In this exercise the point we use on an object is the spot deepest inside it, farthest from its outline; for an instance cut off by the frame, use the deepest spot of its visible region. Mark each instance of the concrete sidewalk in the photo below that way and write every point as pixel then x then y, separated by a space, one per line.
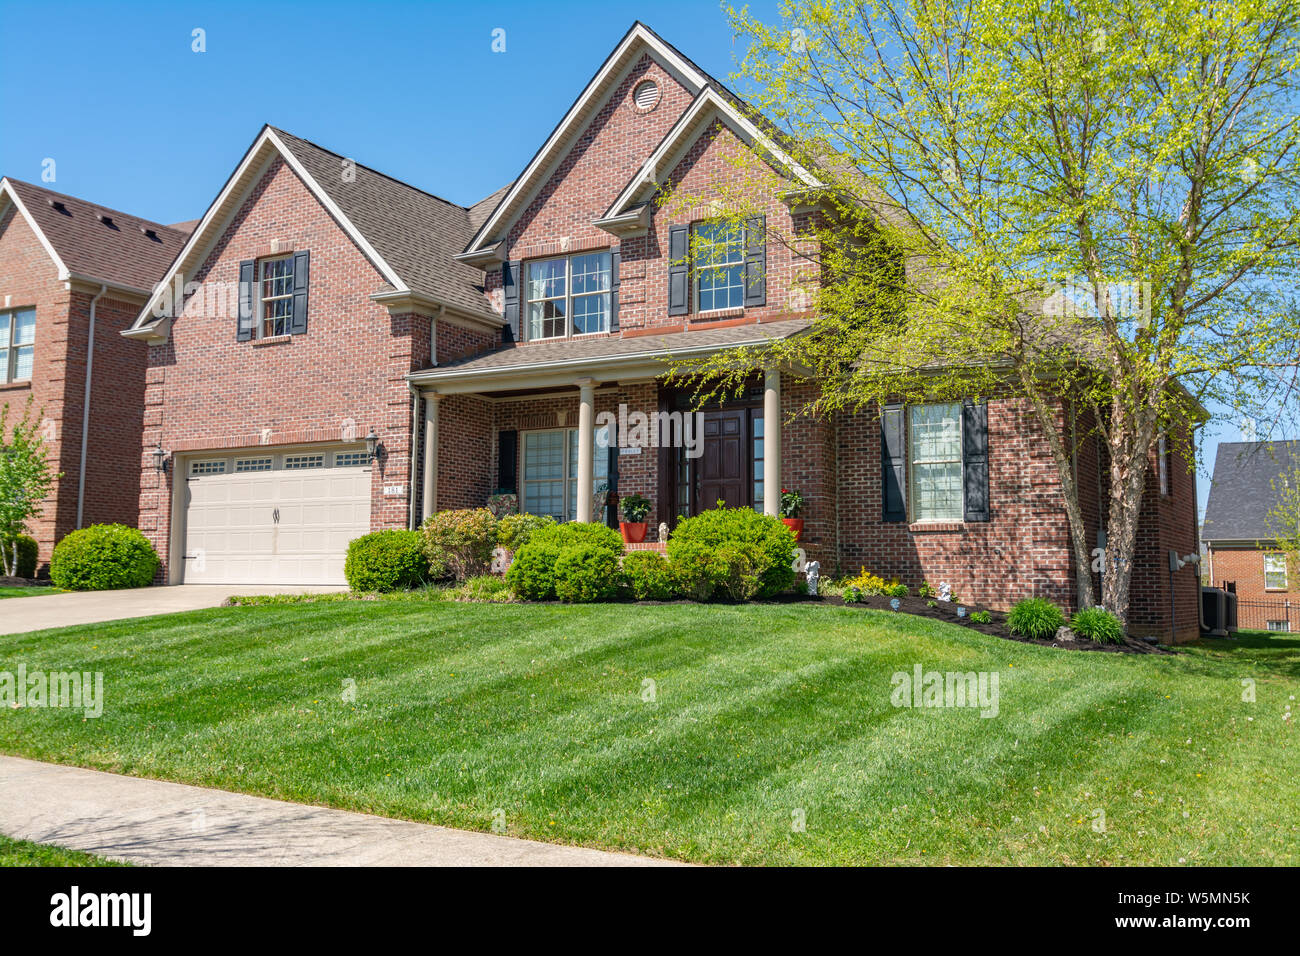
pixel 173 824
pixel 23 614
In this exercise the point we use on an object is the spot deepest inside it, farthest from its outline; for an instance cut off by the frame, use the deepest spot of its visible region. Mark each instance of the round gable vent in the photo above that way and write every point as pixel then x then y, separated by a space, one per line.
pixel 646 95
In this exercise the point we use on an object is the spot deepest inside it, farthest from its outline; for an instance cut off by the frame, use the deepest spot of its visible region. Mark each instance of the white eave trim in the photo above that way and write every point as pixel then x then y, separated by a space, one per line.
pixel 638 34
pixel 7 189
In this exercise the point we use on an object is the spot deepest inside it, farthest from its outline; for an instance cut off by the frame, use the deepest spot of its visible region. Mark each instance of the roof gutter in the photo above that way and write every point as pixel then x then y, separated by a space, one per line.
pixel 85 408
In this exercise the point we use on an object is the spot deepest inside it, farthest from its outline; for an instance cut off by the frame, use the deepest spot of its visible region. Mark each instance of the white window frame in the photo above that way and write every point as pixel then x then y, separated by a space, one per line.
pixel 257 463
pixel 11 346
pixel 1162 464
pixel 913 498
pixel 568 298
pixel 568 482
pixel 705 262
pixel 207 466
pixel 1275 558
pixel 304 461
pixel 1278 627
pixel 265 301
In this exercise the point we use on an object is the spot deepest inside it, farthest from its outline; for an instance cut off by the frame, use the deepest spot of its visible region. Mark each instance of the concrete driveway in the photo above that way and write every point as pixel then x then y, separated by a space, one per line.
pixel 19 615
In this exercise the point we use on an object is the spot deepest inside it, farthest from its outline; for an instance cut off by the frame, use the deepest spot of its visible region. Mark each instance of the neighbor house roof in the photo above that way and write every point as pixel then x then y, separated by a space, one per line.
pixel 93 243
pixel 1246 486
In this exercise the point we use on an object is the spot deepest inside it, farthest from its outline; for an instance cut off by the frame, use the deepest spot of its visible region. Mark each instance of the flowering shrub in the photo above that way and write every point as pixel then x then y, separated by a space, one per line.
pixel 791 503
pixel 459 544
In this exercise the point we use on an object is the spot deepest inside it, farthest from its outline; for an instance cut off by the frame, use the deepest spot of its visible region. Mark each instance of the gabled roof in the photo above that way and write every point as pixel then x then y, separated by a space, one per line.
pixel 409 235
pixel 1246 486
pixel 639 39
pixel 93 243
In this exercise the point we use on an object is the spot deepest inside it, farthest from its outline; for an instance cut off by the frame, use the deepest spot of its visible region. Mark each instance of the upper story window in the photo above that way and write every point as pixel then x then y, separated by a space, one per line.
pixel 568 296
pixel 934 453
pixel 276 294
pixel 17 335
pixel 719 266
pixel 1275 572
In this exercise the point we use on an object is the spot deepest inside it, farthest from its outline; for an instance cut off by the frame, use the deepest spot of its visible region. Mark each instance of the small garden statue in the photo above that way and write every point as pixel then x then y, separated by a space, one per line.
pixel 500 560
pixel 945 591
pixel 663 531
pixel 814 571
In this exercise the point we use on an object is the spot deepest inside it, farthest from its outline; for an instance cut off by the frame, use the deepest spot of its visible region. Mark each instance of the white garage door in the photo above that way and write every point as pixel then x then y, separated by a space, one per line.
pixel 256 517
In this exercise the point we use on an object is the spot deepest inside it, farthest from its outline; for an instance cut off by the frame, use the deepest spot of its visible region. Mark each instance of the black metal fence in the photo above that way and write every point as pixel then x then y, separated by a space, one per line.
pixel 1279 614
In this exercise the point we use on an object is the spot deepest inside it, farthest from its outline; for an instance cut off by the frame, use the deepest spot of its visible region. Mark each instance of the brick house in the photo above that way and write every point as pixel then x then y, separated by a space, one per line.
pixel 1240 539
pixel 74 274
pixel 515 346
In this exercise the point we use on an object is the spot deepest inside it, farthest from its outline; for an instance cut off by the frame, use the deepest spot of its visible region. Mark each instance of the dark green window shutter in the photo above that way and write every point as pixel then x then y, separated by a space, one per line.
pixel 301 280
pixel 247 290
pixel 508 460
pixel 755 261
pixel 614 260
pixel 679 270
pixel 893 464
pixel 611 513
pixel 511 280
pixel 975 459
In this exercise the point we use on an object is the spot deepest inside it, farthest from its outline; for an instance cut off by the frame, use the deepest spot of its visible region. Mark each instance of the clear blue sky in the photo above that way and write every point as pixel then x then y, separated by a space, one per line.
pixel 135 120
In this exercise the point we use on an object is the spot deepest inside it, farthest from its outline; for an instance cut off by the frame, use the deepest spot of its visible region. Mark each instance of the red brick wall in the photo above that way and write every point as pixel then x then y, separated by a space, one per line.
pixel 206 390
pixel 1245 567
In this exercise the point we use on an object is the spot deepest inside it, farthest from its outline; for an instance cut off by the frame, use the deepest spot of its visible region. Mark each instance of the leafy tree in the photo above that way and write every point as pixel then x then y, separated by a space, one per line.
pixel 25 479
pixel 1090 205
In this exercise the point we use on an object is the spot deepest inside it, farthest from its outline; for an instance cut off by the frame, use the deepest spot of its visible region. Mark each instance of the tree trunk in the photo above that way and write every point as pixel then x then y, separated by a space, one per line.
pixel 1128 472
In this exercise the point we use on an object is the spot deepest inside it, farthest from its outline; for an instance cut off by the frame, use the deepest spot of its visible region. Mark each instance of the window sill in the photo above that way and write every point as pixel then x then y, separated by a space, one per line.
pixel 21 383
pixel 273 340
pixel 719 314
pixel 921 527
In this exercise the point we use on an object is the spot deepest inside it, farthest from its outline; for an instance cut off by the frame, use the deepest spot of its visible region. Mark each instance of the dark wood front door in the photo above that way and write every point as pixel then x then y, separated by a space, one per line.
pixel 723 468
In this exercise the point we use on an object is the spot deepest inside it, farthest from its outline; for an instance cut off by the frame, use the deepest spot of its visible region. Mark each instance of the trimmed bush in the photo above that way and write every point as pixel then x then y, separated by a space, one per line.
pixel 1035 618
pixel 513 531
pixel 585 573
pixel 103 557
pixel 706 554
pixel 1098 625
pixel 649 576
pixel 27 550
pixel 579 532
pixel 459 544
pixel 391 560
pixel 532 573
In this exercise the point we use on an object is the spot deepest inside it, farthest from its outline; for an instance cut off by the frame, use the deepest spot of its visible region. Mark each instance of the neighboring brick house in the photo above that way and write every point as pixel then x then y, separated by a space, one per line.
pixel 556 302
pixel 1240 537
pixel 74 274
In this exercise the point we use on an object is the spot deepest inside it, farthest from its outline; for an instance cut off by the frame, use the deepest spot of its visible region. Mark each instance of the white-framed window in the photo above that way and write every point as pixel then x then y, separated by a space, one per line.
pixel 17 344
pixel 350 459
pixel 216 466
pixel 1162 464
pixel 1275 572
pixel 934 462
pixel 1284 626
pixel 719 266
pixel 304 461
pixel 550 481
pixel 252 464
pixel 568 296
pixel 276 295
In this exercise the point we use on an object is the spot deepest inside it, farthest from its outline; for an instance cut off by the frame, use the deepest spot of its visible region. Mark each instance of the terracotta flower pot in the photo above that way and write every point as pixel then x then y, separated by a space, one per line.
pixel 795 525
pixel 633 531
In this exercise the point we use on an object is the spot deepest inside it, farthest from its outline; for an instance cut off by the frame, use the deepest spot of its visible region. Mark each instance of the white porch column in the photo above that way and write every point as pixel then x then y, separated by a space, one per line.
pixel 772 442
pixel 586 446
pixel 431 400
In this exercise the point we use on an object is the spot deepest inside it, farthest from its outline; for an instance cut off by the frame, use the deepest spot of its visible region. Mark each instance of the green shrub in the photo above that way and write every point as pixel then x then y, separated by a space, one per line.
pixel 459 544
pixel 927 590
pixel 649 576
pixel 1097 624
pixel 896 590
pixel 586 573
pixel 513 531
pixel 103 557
pixel 486 588
pixel 532 573
pixel 27 550
pixel 579 532
pixel 1035 618
pixel 391 560
pixel 765 544
pixel 981 617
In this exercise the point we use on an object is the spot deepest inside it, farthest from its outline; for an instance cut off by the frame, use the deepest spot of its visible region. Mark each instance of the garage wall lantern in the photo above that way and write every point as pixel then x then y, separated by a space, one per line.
pixel 160 458
pixel 372 445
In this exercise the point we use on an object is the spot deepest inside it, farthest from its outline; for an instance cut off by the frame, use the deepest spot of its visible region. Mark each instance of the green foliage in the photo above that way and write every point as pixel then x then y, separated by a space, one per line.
pixel 103 557
pixel 791 503
pixel 726 547
pixel 1036 618
pixel 981 617
pixel 896 590
pixel 580 532
pixel 485 588
pixel 25 553
pixel 388 560
pixel 460 543
pixel 1098 625
pixel 635 508
pixel 649 576
pixel 25 478
pixel 585 573
pixel 927 590
pixel 514 530
pixel 532 572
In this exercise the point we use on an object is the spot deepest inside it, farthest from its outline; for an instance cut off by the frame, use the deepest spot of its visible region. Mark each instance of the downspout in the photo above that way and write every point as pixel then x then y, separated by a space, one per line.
pixel 85 408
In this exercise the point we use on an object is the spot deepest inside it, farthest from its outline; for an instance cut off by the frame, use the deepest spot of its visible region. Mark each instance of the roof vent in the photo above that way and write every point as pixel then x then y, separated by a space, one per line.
pixel 150 234
pixel 57 206
pixel 105 218
pixel 646 95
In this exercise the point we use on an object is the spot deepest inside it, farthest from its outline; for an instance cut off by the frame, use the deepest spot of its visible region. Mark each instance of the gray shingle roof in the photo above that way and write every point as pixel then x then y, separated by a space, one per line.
pixel 120 254
pixel 415 232
pixel 1247 476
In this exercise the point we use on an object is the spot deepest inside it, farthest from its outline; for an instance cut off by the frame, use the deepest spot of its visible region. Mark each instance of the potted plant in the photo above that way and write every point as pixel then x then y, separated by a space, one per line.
pixel 633 526
pixel 791 505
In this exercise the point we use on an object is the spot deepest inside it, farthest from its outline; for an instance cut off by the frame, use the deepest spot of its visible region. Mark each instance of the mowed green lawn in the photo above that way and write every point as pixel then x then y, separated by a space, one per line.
pixel 758 718
pixel 26 853
pixel 24 591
